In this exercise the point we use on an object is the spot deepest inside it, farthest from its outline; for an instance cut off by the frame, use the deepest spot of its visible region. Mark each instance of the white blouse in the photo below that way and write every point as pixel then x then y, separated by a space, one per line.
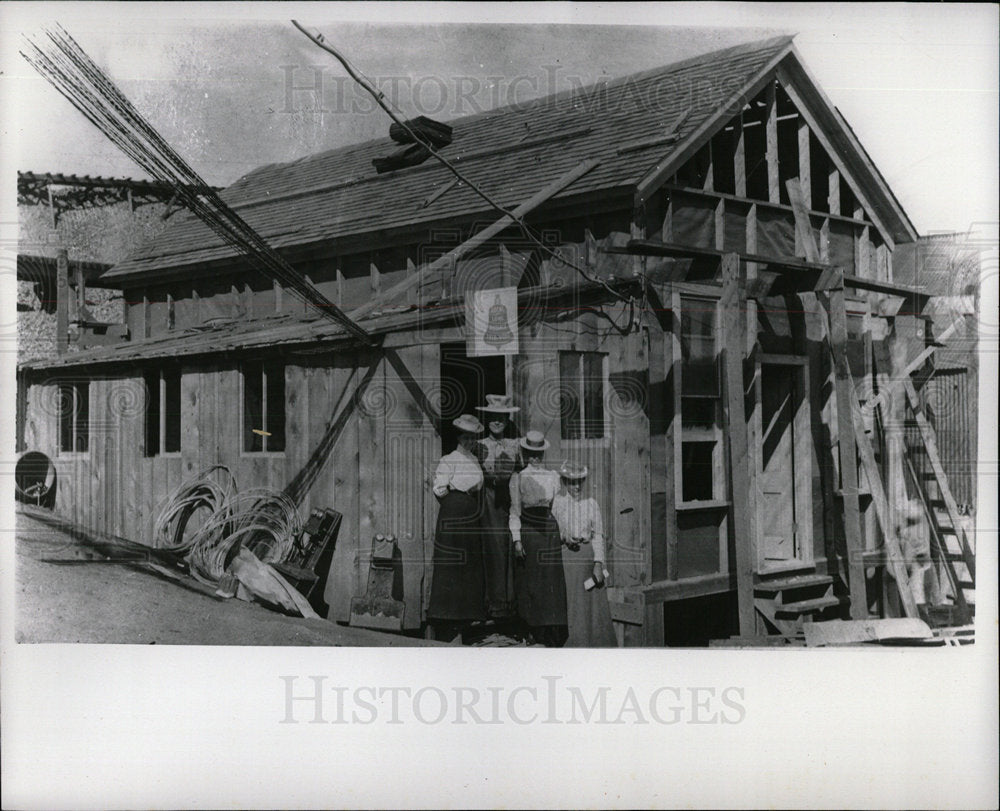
pixel 459 470
pixel 535 486
pixel 580 521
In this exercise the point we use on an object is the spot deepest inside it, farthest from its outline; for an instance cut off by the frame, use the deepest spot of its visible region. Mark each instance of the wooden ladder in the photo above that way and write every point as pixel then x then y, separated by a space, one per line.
pixel 953 551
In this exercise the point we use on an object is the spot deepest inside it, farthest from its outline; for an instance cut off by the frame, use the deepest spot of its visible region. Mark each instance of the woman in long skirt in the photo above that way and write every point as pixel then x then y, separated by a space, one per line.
pixel 583 557
pixel 457 597
pixel 538 577
pixel 499 457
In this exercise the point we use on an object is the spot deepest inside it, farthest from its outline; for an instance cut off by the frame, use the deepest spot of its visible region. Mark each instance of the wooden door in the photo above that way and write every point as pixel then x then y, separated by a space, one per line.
pixel 783 474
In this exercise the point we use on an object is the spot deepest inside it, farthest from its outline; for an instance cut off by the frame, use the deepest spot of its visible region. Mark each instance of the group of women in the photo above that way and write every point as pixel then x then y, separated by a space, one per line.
pixel 515 539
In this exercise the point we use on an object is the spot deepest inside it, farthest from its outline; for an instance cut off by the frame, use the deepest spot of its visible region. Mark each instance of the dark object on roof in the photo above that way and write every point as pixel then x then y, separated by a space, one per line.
pixel 410 156
pixel 436 133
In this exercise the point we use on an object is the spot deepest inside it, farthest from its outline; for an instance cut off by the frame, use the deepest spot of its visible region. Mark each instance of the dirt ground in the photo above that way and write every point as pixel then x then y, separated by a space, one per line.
pixel 101 602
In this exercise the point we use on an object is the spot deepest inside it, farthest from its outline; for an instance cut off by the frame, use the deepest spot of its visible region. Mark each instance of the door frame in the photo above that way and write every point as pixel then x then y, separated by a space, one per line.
pixel 802 456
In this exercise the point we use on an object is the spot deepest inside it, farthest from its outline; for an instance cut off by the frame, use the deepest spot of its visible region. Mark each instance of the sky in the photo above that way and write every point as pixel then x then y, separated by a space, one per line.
pixel 235 88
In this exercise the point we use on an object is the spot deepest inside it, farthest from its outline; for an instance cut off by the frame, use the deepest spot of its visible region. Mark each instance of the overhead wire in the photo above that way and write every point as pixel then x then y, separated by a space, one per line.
pixel 385 103
pixel 82 82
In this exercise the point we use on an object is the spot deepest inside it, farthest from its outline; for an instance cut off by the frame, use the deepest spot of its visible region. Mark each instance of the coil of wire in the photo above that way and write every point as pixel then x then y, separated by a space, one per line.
pixel 210 489
pixel 265 521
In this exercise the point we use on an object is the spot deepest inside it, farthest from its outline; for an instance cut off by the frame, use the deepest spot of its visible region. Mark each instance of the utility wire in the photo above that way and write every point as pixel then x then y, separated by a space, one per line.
pixel 71 71
pixel 386 104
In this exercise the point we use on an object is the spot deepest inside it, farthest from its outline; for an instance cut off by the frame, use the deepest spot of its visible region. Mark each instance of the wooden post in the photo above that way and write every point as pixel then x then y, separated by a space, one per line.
pixel 340 288
pixel 740 159
pixel 62 300
pixel 720 224
pixel 376 278
pixel 412 296
pixel 734 318
pixel 833 192
pixel 805 171
pixel 847 443
pixel 771 141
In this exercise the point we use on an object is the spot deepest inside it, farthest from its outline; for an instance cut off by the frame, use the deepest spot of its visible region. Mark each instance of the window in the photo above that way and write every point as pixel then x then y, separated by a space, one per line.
pixel 163 412
pixel 581 394
pixel 263 407
pixel 74 417
pixel 701 458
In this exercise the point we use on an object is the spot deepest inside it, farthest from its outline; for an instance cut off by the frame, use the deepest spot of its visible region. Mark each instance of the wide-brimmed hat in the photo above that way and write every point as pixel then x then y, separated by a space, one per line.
pixel 534 441
pixel 573 471
pixel 498 404
pixel 469 424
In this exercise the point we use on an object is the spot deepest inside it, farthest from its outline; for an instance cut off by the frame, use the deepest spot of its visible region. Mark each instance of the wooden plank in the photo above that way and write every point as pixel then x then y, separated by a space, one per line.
pixel 131 443
pixel 805 171
pixel 720 225
pixel 847 444
pixel 771 145
pixel 675 435
pixel 803 228
pixel 191 447
pixel 739 159
pixel 930 446
pixel 475 241
pixel 734 320
pixel 376 279
pixel 297 439
pixel 627 605
pixel 833 195
pixel 664 591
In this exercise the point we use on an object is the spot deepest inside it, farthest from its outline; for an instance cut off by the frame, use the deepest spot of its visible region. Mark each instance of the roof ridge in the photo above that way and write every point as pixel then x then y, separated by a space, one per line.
pixel 552 98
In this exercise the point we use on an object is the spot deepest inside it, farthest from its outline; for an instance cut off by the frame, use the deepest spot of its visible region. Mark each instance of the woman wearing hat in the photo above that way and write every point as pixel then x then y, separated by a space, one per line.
pixel 538 580
pixel 581 528
pixel 457 582
pixel 499 457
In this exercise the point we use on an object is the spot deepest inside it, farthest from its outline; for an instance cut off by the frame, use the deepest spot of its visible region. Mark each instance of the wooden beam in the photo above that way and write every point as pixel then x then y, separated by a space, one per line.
pixel 847 442
pixel 664 591
pixel 803 227
pixel 771 145
pixel 732 311
pixel 805 170
pixel 478 239
pixel 833 192
pixel 740 159
pixel 62 301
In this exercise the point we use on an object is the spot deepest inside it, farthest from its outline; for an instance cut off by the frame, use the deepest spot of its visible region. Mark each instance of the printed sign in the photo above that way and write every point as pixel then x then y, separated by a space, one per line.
pixel 491 322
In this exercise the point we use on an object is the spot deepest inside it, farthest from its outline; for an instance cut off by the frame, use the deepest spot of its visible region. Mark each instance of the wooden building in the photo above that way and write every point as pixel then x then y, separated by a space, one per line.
pixel 653 191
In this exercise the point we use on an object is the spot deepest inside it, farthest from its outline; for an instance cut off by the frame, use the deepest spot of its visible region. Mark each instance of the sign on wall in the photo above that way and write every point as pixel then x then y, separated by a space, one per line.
pixel 491 322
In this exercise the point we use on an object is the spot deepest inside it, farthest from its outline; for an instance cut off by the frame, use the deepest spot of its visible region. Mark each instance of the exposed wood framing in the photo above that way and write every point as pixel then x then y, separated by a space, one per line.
pixel 833 193
pixel 740 159
pixel 732 308
pixel 805 171
pixel 448 260
pixel 771 144
pixel 847 442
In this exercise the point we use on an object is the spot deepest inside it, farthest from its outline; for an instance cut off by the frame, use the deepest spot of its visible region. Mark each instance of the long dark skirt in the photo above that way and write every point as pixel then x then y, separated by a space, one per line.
pixel 497 557
pixel 457 580
pixel 539 580
pixel 589 612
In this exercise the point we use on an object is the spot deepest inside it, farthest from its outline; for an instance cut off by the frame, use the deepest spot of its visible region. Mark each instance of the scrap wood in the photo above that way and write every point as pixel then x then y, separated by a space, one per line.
pixel 852 632
pixel 261 580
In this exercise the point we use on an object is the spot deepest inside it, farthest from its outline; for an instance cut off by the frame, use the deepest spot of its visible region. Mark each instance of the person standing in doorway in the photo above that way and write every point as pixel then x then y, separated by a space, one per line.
pixel 583 556
pixel 457 596
pixel 499 456
pixel 538 578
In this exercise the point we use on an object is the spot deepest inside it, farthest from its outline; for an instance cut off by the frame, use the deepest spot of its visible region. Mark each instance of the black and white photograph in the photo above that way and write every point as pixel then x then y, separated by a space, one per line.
pixel 349 344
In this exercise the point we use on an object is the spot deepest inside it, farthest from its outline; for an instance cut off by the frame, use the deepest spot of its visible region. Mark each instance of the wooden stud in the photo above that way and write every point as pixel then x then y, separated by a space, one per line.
pixel 278 297
pixel 340 288
pixel 667 229
pixel 824 240
pixel 145 316
pixel 805 171
pixel 506 265
pixel 376 279
pixel 674 435
pixel 709 183
pixel 412 294
pixel 833 197
pixel 847 443
pixel 62 301
pixel 732 303
pixel 720 225
pixel 740 158
pixel 771 140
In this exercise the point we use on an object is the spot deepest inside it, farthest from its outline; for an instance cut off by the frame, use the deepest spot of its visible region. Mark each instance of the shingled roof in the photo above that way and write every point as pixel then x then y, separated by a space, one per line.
pixel 319 203
pixel 509 152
